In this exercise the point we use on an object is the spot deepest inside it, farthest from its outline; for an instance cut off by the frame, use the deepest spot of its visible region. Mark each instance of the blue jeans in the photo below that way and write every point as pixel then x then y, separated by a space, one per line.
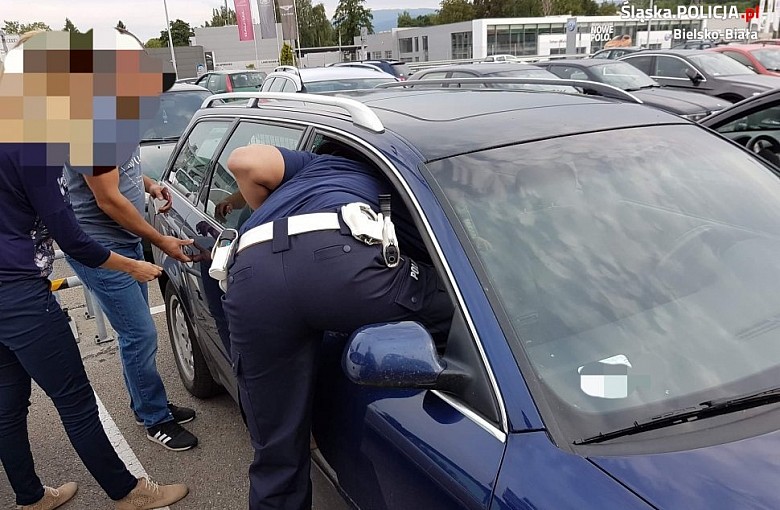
pixel 36 342
pixel 126 305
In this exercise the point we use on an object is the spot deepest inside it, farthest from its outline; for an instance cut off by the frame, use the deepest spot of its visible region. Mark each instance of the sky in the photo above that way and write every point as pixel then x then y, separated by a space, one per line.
pixel 146 18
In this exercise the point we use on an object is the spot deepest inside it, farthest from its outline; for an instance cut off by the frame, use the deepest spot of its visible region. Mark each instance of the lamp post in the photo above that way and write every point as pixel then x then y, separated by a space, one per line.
pixel 170 39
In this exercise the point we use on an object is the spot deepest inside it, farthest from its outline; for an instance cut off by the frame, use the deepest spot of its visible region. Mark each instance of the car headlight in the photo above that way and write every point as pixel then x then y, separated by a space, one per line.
pixel 696 117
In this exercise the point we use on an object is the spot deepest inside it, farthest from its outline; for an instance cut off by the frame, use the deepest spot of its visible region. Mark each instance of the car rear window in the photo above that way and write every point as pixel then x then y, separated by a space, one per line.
pixel 401 70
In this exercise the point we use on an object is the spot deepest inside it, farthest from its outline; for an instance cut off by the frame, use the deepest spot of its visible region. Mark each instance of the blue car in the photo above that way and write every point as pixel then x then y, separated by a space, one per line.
pixel 614 271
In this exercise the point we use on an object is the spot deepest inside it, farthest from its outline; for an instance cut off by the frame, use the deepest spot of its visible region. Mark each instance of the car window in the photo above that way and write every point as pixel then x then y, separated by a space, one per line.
pixel 401 70
pixel 569 72
pixel 193 160
pixel 768 57
pixel 289 86
pixel 223 184
pixel 434 76
pixel 739 57
pixel 248 80
pixel 622 75
pixel 278 84
pixel 267 84
pixel 347 84
pixel 671 67
pixel 765 119
pixel 203 80
pixel 643 63
pixel 174 114
pixel 716 64
pixel 461 74
pixel 604 54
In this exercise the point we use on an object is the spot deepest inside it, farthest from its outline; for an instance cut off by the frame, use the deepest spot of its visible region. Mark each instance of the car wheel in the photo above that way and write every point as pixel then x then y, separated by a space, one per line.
pixel 193 370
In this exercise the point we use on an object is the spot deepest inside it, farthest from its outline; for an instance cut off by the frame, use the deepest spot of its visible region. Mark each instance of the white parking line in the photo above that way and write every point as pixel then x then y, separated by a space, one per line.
pixel 157 309
pixel 120 444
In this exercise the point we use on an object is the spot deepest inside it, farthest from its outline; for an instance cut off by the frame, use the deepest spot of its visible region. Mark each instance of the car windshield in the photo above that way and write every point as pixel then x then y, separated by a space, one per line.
pixel 249 80
pixel 717 64
pixel 652 258
pixel 623 76
pixel 314 87
pixel 768 57
pixel 175 111
pixel 531 72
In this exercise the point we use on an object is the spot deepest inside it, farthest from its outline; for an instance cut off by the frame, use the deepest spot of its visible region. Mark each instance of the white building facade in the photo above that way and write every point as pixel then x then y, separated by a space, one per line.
pixel 477 39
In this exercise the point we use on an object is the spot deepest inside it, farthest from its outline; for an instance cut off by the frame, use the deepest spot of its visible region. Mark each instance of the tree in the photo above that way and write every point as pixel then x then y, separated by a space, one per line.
pixel 222 17
pixel 286 57
pixel 350 17
pixel 454 11
pixel 70 27
pixel 180 33
pixel 121 25
pixel 154 42
pixel 313 25
pixel 426 20
pixel 14 27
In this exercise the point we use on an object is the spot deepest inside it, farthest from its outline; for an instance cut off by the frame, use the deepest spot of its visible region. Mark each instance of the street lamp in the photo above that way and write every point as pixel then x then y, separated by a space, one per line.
pixel 170 39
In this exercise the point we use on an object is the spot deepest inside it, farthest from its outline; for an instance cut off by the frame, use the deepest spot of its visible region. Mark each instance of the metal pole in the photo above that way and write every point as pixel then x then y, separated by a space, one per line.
pixel 102 333
pixel 648 25
pixel 170 39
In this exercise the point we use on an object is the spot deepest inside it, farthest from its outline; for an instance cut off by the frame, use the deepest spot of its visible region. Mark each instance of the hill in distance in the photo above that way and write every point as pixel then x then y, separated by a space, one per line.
pixel 385 19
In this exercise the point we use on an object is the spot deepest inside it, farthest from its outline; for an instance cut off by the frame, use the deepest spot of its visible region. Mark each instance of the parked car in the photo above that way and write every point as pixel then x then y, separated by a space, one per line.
pixel 698 44
pixel 395 67
pixel 759 58
pixel 324 79
pixel 613 271
pixel 177 106
pixel 702 71
pixel 753 123
pixel 494 70
pixel 219 82
pixel 188 81
pixel 691 105
pixel 499 58
pixel 614 53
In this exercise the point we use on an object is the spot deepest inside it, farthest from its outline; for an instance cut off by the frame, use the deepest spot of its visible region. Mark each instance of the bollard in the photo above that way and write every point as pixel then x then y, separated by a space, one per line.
pixel 70 282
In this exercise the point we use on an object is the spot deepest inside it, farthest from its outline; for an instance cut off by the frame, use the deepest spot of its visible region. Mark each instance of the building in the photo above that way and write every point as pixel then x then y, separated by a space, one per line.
pixel 548 35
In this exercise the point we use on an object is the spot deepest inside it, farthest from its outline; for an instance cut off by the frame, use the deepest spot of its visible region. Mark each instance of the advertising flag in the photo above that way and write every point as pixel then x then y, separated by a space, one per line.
pixel 267 19
pixel 246 30
pixel 289 22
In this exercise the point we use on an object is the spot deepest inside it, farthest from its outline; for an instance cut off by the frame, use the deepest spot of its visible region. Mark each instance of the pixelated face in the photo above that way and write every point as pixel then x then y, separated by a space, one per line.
pixel 86 95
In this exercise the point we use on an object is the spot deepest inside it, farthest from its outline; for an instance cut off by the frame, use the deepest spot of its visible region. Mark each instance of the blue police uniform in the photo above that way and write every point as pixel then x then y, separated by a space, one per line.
pixel 283 294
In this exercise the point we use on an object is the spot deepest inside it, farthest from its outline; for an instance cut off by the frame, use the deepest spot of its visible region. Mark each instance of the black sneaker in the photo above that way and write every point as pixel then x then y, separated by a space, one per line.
pixel 172 436
pixel 182 415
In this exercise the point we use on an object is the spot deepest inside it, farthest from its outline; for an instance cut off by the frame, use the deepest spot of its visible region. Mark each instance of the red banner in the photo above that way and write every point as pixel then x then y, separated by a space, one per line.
pixel 246 30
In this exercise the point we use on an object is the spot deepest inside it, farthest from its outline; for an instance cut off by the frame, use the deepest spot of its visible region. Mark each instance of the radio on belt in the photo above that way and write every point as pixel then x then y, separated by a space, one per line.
pixel 222 253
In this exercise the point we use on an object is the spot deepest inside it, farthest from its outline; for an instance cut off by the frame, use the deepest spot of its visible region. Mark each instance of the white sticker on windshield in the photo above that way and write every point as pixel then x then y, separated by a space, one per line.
pixel 607 378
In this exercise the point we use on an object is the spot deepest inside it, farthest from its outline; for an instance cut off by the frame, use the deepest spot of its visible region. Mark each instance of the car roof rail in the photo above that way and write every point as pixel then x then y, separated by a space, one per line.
pixel 601 89
pixel 291 69
pixel 362 115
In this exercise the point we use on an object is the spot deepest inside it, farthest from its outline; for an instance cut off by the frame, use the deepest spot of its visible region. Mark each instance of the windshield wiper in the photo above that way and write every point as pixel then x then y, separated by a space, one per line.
pixel 706 409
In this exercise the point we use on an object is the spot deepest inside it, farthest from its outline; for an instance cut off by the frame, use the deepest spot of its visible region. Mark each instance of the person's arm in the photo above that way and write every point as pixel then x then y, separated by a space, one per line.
pixel 43 190
pixel 110 200
pixel 258 169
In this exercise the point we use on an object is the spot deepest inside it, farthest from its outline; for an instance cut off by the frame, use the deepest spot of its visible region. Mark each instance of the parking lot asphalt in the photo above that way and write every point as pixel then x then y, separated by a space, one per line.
pixel 215 471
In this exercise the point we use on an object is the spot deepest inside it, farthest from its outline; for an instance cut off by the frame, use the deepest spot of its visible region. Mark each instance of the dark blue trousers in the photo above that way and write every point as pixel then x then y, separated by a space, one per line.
pixel 282 296
pixel 36 342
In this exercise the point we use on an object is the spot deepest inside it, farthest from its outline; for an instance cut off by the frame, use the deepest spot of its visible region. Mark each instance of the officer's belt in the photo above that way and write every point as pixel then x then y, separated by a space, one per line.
pixel 299 224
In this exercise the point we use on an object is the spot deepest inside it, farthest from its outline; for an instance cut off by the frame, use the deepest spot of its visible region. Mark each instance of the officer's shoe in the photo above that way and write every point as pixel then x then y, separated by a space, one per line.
pixel 172 436
pixel 53 498
pixel 182 415
pixel 148 494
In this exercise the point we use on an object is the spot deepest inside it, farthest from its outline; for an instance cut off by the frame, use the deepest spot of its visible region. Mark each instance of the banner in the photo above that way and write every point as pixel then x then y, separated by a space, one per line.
pixel 267 19
pixel 289 21
pixel 246 30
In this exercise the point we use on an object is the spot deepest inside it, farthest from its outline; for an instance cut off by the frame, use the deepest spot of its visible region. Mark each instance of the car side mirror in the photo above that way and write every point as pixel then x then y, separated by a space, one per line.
pixel 397 355
pixel 694 76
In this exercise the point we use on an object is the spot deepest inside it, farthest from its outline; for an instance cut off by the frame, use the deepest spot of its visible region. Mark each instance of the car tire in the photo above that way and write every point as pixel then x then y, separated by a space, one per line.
pixel 193 370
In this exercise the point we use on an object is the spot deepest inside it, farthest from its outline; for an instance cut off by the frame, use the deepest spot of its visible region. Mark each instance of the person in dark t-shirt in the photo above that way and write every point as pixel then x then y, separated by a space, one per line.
pixel 298 272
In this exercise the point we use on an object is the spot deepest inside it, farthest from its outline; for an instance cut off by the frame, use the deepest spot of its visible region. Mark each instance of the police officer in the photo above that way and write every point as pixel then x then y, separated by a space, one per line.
pixel 305 265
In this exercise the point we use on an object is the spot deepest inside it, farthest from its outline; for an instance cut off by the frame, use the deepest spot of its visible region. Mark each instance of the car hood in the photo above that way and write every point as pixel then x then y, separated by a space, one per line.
pixel 154 157
pixel 680 102
pixel 758 81
pixel 740 474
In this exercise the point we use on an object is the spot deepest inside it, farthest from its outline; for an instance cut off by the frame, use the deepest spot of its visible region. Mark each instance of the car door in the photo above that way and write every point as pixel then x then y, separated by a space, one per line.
pixel 642 62
pixel 398 449
pixel 204 225
pixel 673 71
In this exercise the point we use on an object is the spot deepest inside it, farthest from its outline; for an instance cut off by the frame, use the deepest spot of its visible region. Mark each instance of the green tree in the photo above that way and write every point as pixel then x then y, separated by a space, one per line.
pixel 14 27
pixel 222 17
pixel 180 33
pixel 121 25
pixel 286 57
pixel 154 42
pixel 426 20
pixel 454 11
pixel 70 27
pixel 350 17
pixel 313 25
